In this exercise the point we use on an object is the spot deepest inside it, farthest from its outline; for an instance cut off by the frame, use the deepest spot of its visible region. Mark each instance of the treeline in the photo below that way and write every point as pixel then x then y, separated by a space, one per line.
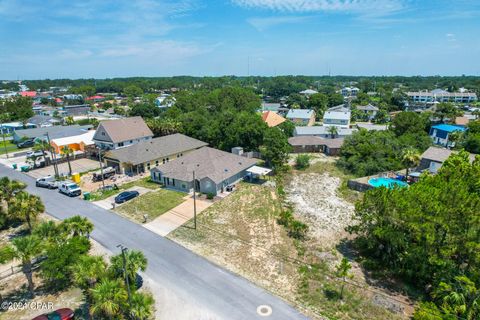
pixel 369 152
pixel 274 87
pixel 428 235
pixel 59 254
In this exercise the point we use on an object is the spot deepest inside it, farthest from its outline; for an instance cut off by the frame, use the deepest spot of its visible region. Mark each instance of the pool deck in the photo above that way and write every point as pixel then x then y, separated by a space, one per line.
pixel 362 185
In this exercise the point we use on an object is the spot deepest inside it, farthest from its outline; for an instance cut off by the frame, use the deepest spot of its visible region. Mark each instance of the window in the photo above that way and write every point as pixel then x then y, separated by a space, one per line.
pixel 156 163
pixel 163 161
pixel 131 141
pixel 103 133
pixel 120 144
pixel 148 166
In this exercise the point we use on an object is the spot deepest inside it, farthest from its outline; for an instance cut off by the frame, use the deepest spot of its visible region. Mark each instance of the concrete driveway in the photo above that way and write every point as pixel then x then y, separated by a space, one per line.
pixel 176 217
pixel 108 203
pixel 79 165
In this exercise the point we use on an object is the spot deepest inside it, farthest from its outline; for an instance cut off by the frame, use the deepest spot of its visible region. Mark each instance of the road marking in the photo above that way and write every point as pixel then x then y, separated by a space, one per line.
pixel 264 310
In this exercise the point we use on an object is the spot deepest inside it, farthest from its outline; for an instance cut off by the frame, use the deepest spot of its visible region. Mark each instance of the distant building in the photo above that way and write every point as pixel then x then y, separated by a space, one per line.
pixel 323 131
pixel 439 95
pixel 372 127
pixel 348 92
pixel 41 121
pixel 114 134
pixel 96 98
pixel 369 110
pixel 165 101
pixel 337 116
pixel 53 132
pixel 433 158
pixel 308 92
pixel 304 144
pixel 305 117
pixel 440 134
pixel 30 94
pixel 76 110
pixel 272 119
pixel 10 127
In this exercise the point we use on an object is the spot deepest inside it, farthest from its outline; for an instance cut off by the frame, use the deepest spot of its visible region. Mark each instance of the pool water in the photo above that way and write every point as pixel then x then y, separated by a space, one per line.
pixel 386 182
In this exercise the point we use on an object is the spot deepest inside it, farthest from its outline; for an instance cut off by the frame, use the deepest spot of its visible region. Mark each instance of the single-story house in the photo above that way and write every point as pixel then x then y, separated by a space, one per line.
pixel 323 131
pixel 371 126
pixel 76 110
pixel 272 119
pixel 440 134
pixel 214 170
pixel 305 117
pixel 369 110
pixel 76 143
pixel 433 158
pixel 337 116
pixel 44 121
pixel 119 133
pixel 10 127
pixel 145 155
pixel 308 144
pixel 53 132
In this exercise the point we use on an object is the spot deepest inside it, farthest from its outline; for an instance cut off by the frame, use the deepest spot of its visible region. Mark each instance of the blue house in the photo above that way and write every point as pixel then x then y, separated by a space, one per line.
pixel 440 134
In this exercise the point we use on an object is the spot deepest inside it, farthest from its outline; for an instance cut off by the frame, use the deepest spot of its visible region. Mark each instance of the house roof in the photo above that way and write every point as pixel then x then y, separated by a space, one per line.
pixel 208 163
pixel 155 149
pixel 462 121
pixel 315 141
pixel 85 138
pixel 368 107
pixel 272 119
pixel 308 92
pixel 54 132
pixel 448 127
pixel 122 130
pixel 340 107
pixel 95 98
pixel 321 130
pixel 300 113
pixel 440 154
pixel 341 115
pixel 371 127
pixel 30 94
pixel 39 119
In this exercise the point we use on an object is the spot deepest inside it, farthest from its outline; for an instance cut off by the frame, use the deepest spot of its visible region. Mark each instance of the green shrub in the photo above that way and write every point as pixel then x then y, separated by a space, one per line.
pixel 302 161
pixel 210 196
pixel 285 218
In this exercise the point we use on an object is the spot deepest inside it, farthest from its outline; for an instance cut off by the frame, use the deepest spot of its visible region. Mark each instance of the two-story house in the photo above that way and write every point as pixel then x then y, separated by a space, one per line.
pixel 303 117
pixel 337 116
pixel 114 134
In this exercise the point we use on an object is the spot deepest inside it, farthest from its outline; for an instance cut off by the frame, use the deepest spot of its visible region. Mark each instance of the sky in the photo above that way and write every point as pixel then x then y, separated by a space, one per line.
pixel 115 38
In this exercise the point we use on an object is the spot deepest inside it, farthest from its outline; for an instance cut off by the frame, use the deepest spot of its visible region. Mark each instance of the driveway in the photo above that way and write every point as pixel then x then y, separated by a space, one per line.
pixel 108 202
pixel 79 165
pixel 177 216
pixel 212 292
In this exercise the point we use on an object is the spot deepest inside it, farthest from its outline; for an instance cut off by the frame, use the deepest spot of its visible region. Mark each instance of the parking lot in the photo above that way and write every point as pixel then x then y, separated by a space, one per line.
pixel 79 165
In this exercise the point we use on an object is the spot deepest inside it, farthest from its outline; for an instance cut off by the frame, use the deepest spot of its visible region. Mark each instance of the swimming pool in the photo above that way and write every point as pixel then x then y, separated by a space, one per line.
pixel 386 182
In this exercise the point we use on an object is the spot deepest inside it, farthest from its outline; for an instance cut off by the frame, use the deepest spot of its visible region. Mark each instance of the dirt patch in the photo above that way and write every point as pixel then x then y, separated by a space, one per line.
pixel 315 200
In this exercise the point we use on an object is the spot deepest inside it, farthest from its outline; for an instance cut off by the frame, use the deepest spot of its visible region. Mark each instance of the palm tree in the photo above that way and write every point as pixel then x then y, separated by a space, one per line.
pixel 42 145
pixel 410 158
pixel 333 131
pixel 88 270
pixel 135 261
pixel 109 298
pixel 27 207
pixel 77 226
pixel 8 189
pixel 47 230
pixel 69 120
pixel 26 249
pixel 460 298
pixel 142 305
pixel 66 152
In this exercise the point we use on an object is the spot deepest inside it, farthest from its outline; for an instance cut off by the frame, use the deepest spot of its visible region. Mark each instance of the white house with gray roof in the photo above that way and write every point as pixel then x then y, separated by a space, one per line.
pixel 114 134
pixel 337 116
pixel 322 131
pixel 214 170
pixel 304 117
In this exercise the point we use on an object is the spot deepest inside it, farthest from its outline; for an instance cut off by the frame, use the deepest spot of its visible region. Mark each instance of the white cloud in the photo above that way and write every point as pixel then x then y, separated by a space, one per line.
pixel 370 7
pixel 268 22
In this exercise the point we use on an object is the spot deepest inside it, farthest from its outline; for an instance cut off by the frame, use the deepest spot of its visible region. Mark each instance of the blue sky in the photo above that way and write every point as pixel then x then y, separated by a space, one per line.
pixel 113 38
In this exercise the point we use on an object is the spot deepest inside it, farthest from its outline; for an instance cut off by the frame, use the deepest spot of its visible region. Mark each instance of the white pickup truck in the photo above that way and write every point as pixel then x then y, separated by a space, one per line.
pixel 47 182
pixel 69 188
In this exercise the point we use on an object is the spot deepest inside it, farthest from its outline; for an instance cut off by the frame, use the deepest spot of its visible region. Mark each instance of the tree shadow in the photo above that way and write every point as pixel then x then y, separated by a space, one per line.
pixel 331 294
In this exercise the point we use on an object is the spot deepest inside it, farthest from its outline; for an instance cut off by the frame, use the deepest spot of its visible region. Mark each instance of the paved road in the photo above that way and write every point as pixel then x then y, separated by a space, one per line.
pixel 188 275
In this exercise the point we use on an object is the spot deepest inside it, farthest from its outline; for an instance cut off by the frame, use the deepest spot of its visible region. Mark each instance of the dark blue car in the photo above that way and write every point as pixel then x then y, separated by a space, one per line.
pixel 125 196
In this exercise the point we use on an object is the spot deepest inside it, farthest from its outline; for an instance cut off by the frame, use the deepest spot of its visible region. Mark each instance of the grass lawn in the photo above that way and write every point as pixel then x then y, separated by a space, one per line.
pixel 11 147
pixel 144 182
pixel 152 203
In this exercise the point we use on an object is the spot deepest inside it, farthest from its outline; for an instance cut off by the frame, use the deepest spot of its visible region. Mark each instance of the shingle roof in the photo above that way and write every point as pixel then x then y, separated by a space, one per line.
pixel 54 132
pixel 155 149
pixel 299 113
pixel 319 130
pixel 315 141
pixel 122 130
pixel 440 154
pixel 368 107
pixel 272 119
pixel 208 163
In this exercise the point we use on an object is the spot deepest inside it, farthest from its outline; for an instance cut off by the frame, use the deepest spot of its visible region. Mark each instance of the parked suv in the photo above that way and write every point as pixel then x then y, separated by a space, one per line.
pixel 47 182
pixel 69 188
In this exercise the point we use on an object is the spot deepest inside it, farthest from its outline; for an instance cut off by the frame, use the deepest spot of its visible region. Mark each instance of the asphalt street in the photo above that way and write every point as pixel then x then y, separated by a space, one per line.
pixel 170 265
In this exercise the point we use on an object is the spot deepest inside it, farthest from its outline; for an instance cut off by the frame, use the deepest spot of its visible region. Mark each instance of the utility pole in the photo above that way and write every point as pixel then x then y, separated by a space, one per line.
pixel 194 202
pixel 4 142
pixel 55 168
pixel 101 166
pixel 124 259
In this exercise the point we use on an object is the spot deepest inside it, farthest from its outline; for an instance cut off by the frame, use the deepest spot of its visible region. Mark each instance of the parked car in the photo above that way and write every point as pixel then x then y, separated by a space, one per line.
pixel 59 314
pixel 26 144
pixel 69 188
pixel 47 182
pixel 38 153
pixel 125 196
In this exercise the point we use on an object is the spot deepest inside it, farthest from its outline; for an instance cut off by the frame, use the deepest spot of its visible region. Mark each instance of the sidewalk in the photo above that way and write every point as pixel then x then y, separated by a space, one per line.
pixel 177 216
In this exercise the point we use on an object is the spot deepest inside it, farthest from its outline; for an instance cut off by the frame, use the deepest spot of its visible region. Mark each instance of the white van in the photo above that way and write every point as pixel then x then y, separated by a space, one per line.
pixel 69 188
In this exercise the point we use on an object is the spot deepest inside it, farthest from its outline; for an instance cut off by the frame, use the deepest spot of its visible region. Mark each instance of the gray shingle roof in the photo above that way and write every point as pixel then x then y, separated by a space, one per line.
pixel 54 132
pixel 207 162
pixel 155 149
pixel 122 130
pixel 300 114
pixel 315 141
pixel 440 154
